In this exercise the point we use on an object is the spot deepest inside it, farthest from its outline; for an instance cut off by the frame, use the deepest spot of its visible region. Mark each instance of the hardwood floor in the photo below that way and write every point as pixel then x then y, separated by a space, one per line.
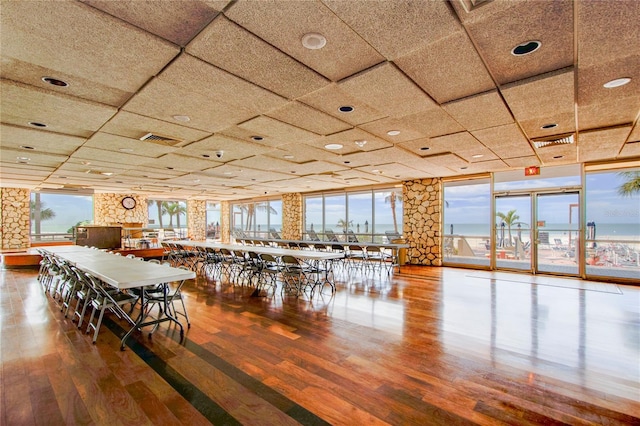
pixel 429 346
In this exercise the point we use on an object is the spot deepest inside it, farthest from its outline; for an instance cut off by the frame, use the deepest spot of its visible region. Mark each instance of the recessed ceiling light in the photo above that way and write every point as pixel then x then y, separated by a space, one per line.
pixel 345 108
pixel 549 126
pixel 463 168
pixel 393 132
pixel 206 155
pixel 125 150
pixel 617 82
pixel 36 124
pixel 333 146
pixel 293 171
pixel 375 171
pixel 361 143
pixel 27 147
pixel 477 156
pixel 257 138
pixel 182 118
pixel 169 168
pixel 196 180
pixel 314 41
pixel 226 173
pixel 86 163
pixel 425 148
pixel 23 158
pixel 556 157
pixel 288 156
pixel 107 173
pixel 526 48
pixel 55 81
pixel 347 162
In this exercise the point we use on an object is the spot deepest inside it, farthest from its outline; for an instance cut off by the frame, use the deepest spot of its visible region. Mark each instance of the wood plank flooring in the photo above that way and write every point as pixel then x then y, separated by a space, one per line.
pixel 428 346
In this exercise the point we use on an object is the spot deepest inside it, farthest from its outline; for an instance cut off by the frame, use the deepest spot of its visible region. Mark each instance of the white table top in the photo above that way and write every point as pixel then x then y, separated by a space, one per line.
pixel 120 271
pixel 274 251
pixel 329 243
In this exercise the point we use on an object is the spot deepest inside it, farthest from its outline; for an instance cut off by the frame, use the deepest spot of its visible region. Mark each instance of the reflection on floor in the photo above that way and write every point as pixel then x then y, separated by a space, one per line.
pixel 428 346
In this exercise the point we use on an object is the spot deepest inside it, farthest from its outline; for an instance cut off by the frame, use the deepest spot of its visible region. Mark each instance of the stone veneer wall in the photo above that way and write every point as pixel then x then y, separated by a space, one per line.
pixel 197 219
pixel 108 210
pixel 225 226
pixel 422 220
pixel 292 216
pixel 15 214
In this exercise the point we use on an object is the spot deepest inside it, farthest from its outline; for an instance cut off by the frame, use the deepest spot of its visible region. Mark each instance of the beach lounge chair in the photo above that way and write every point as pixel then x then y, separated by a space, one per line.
pixel 274 234
pixel 312 235
pixel 330 236
pixel 351 236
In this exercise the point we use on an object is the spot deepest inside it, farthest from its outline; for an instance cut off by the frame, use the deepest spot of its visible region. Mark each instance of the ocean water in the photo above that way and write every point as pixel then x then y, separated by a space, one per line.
pixel 624 231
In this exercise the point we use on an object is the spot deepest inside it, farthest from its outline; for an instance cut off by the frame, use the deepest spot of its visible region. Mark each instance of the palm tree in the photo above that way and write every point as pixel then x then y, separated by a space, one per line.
pixel 251 209
pixel 344 224
pixel 160 205
pixel 39 213
pixel 632 184
pixel 509 219
pixel 172 209
pixel 391 199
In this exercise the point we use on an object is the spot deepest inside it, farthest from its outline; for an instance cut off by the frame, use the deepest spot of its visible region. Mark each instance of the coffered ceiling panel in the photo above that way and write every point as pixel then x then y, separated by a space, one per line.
pixel 396 28
pixel 548 22
pixel 630 149
pixel 543 100
pixel 22 104
pixel 301 115
pixel 135 126
pixel 181 163
pixel 601 144
pixel 15 137
pixel 506 141
pixel 18 156
pixel 466 111
pixel 276 132
pixel 223 149
pixel 297 153
pixel 108 142
pixel 345 52
pixel 352 140
pixel 448 69
pixel 175 21
pixel 230 47
pixel 331 98
pixel 432 122
pixel 392 130
pixel 387 90
pixel 97 47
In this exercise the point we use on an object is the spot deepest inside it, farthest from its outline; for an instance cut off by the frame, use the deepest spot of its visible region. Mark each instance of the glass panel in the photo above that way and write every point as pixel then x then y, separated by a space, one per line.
pixel 170 215
pixel 388 215
pixel 549 177
pixel 213 220
pixel 238 217
pixel 467 222
pixel 313 218
pixel 513 232
pixel 335 217
pixel 275 215
pixel 612 234
pixel 260 220
pixel 53 216
pixel 557 225
pixel 360 217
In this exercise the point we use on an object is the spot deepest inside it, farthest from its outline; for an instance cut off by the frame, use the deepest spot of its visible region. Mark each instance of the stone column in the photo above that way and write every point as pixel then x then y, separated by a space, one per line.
pixel 423 221
pixel 15 214
pixel 292 216
pixel 225 225
pixel 197 219
pixel 108 210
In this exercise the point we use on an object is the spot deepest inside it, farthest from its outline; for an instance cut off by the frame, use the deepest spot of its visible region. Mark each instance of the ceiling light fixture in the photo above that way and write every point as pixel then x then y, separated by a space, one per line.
pixel 393 132
pixel 288 156
pixel 617 82
pixel 314 41
pixel 257 138
pixel 182 118
pixel 345 108
pixel 86 163
pixel 333 146
pixel 361 143
pixel 106 173
pixel 36 124
pixel 425 148
pixel 27 147
pixel 206 155
pixel 557 157
pixel 23 158
pixel 125 150
pixel 55 81
pixel 526 48
pixel 477 156
pixel 549 126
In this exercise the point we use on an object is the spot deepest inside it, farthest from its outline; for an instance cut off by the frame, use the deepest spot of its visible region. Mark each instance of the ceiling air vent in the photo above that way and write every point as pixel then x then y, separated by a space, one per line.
pixel 555 140
pixel 159 139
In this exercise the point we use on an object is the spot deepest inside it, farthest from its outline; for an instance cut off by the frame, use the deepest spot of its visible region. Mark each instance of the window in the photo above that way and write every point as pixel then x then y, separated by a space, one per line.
pixel 362 216
pixel 261 219
pixel 213 220
pixel 54 215
pixel 170 215
pixel 612 232
pixel 467 222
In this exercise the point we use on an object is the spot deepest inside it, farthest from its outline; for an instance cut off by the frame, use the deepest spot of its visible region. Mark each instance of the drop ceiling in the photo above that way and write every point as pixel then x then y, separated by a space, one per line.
pixel 240 108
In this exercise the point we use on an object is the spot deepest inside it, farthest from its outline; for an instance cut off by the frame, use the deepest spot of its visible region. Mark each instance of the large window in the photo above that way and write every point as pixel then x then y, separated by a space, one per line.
pixel 357 216
pixel 54 215
pixel 467 222
pixel 169 215
pixel 612 233
pixel 259 219
pixel 213 220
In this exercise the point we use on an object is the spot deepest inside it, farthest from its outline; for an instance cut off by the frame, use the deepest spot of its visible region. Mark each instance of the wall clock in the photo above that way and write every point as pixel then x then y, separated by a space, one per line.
pixel 128 203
